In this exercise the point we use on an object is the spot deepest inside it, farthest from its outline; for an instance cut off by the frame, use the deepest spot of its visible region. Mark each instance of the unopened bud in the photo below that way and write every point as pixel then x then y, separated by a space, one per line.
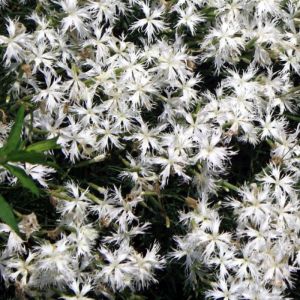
pixel 191 202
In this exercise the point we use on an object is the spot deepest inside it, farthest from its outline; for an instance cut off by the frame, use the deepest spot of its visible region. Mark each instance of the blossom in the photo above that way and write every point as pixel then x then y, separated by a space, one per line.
pixel 15 244
pixel 224 289
pixel 54 265
pixel 117 272
pixel 118 84
pixel 39 173
pixel 74 135
pixel 190 18
pixel 80 290
pixel 214 240
pixel 76 207
pixel 143 266
pixel 42 58
pixel 75 17
pixel 53 94
pixel 151 22
pixel 174 161
pixel 173 62
pixel 21 269
pixel 89 113
pixel 108 135
pixel 228 43
pixel 208 150
pixel 281 184
pixel 147 138
pixel 255 204
pixel 15 43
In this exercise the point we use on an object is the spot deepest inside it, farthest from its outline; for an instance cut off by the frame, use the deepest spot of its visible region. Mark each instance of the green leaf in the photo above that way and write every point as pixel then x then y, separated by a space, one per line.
pixel 29 157
pixel 7 215
pixel 3 156
pixel 44 145
pixel 24 179
pixel 293 117
pixel 14 137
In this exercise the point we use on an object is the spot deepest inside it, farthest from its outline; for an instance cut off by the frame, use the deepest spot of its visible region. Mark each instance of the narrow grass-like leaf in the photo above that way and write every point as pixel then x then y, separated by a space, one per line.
pixel 24 179
pixel 14 137
pixel 29 157
pixel 44 145
pixel 7 215
pixel 293 117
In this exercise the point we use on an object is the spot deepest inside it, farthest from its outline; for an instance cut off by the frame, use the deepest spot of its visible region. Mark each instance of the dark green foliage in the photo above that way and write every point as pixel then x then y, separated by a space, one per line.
pixel 6 214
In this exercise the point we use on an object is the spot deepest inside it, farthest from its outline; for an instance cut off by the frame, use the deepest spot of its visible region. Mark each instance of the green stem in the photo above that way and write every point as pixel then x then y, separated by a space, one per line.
pixel 99 189
pixel 94 160
pixel 291 91
pixel 228 186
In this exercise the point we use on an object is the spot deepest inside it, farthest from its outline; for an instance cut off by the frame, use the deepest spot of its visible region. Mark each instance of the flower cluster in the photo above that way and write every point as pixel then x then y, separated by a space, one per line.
pixel 172 91
pixel 79 255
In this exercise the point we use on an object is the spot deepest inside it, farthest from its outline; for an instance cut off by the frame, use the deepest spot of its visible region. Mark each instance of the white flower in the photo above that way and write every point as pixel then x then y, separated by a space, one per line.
pixel 180 140
pixel 89 112
pixel 118 272
pixel 124 206
pixel 3 3
pixel 189 17
pixel 265 7
pixel 15 43
pixel 74 136
pixel 108 135
pixel 248 265
pixel 272 127
pixel 224 42
pixel 209 151
pixel 282 183
pixel 84 239
pixel 276 267
pixel 53 94
pixel 39 173
pixel 75 17
pixel 100 42
pixel 173 63
pixel 244 82
pixel 125 233
pixel 105 10
pixel 256 204
pixel 75 208
pixel 224 261
pixel 291 60
pixel 42 57
pixel 215 241
pixel 14 244
pixel 144 266
pixel 224 290
pixel 173 162
pixel 44 32
pixel 147 138
pixel 80 290
pixel 142 88
pixel 54 265
pixel 151 21
pixel 21 269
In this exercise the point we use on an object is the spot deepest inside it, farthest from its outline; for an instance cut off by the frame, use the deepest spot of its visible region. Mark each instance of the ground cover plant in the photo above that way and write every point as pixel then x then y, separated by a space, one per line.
pixel 149 149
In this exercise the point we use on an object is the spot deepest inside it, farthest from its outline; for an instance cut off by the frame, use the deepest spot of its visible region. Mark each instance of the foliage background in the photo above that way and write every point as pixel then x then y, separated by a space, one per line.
pixel 162 212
